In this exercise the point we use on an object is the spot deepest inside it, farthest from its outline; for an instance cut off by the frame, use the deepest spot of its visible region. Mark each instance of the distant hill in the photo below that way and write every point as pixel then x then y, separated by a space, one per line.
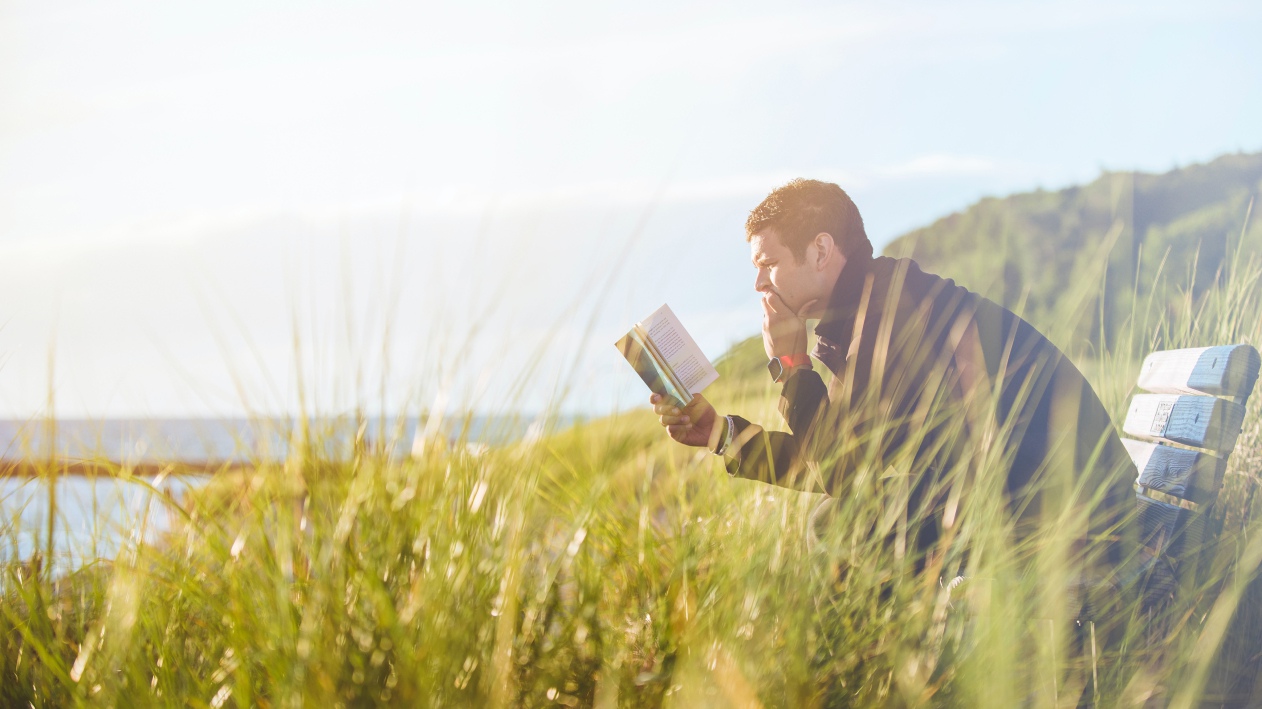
pixel 1042 245
pixel 1037 247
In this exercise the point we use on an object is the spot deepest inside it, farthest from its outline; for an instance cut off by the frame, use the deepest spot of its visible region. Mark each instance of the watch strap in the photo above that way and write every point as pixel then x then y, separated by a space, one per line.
pixel 794 360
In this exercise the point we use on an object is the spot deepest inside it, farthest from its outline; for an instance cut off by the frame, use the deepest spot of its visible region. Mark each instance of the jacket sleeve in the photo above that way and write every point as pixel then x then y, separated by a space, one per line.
pixel 777 457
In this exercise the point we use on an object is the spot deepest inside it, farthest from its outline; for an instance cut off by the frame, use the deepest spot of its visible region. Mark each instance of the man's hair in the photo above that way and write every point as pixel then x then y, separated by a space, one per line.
pixel 801 209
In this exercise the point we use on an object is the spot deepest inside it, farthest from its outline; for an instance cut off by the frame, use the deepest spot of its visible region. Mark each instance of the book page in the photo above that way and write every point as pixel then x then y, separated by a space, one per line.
pixel 689 364
pixel 669 373
pixel 654 375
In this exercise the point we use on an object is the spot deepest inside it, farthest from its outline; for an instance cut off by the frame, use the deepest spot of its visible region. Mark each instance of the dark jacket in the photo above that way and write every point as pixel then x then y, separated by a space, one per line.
pixel 929 377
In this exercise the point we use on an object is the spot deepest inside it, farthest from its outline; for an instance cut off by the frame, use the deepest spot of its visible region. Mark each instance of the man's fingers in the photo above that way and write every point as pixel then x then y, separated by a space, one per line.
pixel 768 309
pixel 694 410
pixel 678 432
pixel 666 408
pixel 677 421
pixel 775 303
pixel 771 304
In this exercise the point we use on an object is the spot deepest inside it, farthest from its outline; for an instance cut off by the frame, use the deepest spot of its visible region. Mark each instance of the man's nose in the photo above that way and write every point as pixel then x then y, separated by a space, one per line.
pixel 762 282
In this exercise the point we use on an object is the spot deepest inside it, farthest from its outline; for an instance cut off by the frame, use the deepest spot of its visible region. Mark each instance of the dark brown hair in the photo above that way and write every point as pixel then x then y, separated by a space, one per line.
pixel 801 209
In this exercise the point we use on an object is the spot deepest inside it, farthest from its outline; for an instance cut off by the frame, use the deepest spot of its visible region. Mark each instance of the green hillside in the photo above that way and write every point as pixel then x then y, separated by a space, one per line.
pixel 1027 251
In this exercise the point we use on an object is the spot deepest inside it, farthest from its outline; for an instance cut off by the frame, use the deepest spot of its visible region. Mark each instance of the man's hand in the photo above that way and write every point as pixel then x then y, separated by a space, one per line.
pixel 783 332
pixel 692 425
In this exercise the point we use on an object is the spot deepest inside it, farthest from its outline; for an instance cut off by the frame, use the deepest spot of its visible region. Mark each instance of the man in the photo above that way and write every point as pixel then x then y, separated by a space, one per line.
pixel 928 380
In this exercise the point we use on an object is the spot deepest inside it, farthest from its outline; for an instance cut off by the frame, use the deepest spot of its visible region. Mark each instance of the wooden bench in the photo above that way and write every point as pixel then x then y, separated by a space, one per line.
pixel 1184 429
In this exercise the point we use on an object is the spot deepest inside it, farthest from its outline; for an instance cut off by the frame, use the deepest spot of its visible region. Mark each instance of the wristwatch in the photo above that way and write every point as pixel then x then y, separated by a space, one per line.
pixel 780 366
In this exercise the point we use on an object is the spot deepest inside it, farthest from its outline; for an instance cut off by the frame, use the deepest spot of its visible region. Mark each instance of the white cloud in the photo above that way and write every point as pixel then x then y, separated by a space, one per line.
pixel 455 201
pixel 218 141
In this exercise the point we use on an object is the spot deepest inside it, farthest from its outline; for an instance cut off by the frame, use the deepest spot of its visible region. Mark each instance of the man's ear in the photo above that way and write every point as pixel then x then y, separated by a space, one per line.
pixel 824 249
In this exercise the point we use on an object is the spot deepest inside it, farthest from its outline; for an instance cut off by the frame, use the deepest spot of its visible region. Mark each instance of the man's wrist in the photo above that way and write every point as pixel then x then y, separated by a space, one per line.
pixel 725 441
pixel 782 366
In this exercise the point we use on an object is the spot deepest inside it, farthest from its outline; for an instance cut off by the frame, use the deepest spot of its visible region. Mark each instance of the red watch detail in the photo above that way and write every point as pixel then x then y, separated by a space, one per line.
pixel 797 360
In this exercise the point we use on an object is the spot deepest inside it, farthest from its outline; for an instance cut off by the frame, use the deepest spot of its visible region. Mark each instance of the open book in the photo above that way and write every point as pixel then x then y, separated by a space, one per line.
pixel 666 357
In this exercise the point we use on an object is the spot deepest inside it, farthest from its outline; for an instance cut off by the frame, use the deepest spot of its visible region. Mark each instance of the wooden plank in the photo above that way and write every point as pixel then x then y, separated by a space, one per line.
pixel 1201 421
pixel 1169 529
pixel 1187 474
pixel 1173 542
pixel 1226 370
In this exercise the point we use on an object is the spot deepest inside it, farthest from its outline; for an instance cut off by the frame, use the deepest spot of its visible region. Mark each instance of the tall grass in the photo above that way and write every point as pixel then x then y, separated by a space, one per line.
pixel 603 565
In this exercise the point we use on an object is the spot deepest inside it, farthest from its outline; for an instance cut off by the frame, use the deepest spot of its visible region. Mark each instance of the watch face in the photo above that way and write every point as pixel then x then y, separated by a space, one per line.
pixel 775 368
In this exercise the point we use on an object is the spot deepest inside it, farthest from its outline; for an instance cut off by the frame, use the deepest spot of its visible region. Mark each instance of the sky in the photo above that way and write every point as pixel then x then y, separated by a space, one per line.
pixel 244 208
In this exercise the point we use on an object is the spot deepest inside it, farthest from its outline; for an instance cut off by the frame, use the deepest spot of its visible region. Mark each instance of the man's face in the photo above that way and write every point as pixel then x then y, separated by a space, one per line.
pixel 780 272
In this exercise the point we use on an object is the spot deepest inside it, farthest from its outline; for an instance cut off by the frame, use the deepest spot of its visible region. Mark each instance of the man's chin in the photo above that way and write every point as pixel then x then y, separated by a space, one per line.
pixel 810 313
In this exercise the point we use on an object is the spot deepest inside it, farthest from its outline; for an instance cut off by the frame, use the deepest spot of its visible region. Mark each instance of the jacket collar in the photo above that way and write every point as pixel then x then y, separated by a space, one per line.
pixel 843 302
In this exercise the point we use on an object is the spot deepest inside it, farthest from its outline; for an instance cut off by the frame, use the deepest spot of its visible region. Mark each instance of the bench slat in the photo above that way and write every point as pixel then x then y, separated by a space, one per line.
pixel 1226 370
pixel 1171 529
pixel 1190 475
pixel 1201 421
pixel 1177 537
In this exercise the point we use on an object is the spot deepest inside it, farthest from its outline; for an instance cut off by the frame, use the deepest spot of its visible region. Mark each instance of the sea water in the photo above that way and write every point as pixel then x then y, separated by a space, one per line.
pixel 94 517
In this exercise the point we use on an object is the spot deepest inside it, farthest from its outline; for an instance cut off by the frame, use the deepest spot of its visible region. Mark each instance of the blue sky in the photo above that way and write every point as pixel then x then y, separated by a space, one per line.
pixel 182 189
